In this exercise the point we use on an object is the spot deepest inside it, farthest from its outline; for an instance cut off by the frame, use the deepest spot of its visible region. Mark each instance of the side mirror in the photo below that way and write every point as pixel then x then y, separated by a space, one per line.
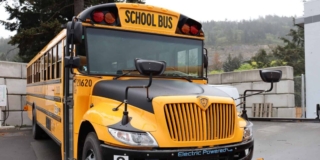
pixel 271 76
pixel 205 58
pixel 148 67
pixel 77 32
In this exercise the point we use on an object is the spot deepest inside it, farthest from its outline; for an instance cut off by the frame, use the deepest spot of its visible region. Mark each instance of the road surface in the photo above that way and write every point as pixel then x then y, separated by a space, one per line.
pixel 273 141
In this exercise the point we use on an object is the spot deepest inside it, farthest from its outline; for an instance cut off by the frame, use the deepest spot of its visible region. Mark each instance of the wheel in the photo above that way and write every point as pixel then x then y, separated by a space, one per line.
pixel 91 148
pixel 37 131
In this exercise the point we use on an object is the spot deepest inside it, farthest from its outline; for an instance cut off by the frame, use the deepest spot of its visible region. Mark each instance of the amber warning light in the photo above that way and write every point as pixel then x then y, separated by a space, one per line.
pixel 189 26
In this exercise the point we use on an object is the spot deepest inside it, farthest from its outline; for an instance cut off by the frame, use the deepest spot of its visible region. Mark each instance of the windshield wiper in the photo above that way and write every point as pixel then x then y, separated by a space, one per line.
pixel 114 78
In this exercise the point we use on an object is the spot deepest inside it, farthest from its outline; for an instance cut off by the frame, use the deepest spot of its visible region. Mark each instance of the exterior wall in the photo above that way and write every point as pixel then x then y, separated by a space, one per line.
pixel 13 75
pixel 282 94
pixel 312 56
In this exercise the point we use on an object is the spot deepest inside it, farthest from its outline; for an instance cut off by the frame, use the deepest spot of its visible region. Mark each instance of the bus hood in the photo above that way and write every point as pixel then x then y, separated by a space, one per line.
pixel 115 89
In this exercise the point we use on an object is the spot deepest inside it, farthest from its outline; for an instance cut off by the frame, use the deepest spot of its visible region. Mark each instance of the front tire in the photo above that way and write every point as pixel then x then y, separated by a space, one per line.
pixel 91 148
pixel 37 131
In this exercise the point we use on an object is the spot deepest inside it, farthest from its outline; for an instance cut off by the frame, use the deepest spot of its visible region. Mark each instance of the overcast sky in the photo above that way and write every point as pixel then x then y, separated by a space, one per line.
pixel 217 10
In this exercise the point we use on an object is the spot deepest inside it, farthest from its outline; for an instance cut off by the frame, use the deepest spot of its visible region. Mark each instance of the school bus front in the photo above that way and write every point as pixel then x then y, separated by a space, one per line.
pixel 178 116
pixel 140 90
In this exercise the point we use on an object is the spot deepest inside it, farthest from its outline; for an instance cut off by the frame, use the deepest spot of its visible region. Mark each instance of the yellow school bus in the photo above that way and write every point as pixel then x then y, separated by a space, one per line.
pixel 128 81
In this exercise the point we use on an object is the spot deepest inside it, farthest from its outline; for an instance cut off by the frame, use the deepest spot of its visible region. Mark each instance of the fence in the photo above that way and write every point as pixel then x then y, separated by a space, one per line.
pixel 300 96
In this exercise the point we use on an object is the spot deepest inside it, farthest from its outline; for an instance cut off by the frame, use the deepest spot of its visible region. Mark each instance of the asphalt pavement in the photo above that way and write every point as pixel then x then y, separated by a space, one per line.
pixel 287 140
pixel 19 145
pixel 273 141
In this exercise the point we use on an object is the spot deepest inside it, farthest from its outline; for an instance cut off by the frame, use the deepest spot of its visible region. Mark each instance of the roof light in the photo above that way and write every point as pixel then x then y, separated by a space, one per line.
pixel 194 30
pixel 109 18
pixel 98 16
pixel 185 29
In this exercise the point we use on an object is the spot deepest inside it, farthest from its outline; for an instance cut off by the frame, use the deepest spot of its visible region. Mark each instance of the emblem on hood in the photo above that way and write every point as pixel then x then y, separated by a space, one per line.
pixel 204 102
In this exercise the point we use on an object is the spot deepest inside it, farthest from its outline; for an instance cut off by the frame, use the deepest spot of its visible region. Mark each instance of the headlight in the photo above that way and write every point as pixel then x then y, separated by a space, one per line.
pixel 247 132
pixel 134 138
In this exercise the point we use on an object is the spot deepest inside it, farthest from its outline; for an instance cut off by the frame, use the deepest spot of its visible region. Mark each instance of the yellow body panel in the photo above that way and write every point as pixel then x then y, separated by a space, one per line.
pixel 102 115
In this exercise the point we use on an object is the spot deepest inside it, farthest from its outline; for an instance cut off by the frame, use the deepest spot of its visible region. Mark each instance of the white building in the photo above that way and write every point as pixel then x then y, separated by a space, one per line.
pixel 311 23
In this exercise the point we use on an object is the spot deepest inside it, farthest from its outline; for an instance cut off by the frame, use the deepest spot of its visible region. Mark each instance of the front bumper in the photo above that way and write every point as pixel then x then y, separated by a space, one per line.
pixel 238 151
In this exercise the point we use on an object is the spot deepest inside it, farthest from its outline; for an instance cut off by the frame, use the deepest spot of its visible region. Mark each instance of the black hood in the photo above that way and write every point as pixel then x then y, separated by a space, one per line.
pixel 115 89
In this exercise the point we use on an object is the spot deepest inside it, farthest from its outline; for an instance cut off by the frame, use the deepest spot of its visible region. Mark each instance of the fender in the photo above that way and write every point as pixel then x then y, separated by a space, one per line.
pixel 102 114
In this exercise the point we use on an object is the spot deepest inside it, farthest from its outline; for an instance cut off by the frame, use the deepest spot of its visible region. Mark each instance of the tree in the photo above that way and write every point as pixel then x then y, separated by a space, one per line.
pixel 232 63
pixel 39 21
pixel 216 63
pixel 78 6
pixel 36 23
pixel 262 59
pixel 245 66
pixel 292 52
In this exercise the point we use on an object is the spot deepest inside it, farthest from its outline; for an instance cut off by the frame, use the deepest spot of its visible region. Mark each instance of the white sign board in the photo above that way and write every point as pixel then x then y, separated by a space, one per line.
pixel 3 95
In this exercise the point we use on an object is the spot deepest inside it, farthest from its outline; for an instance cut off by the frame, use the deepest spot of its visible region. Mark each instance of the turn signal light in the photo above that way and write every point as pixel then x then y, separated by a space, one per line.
pixel 185 29
pixel 109 18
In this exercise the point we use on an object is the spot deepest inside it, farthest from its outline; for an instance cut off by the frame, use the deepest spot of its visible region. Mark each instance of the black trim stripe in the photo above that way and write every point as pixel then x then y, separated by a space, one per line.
pixel 53 98
pixel 53 81
pixel 50 134
pixel 160 87
pixel 50 114
pixel 29 103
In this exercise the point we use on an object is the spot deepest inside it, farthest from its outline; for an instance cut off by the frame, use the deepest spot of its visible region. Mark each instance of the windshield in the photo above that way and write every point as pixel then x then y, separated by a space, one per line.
pixel 112 52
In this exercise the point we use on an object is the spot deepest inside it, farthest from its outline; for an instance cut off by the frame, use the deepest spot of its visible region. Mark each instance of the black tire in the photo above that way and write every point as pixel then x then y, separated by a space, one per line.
pixel 37 131
pixel 91 147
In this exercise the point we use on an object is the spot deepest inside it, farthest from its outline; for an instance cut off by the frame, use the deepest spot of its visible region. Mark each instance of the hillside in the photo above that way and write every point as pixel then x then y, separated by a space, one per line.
pixel 7 52
pixel 246 36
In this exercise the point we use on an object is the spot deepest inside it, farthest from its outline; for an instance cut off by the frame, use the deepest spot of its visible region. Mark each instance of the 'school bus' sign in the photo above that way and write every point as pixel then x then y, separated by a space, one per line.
pixel 148 20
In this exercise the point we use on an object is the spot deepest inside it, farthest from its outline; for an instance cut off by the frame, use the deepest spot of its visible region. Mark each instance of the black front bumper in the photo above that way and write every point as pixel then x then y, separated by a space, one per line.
pixel 238 151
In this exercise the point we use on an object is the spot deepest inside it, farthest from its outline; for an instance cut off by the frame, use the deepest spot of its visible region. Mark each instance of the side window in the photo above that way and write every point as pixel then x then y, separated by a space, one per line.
pixel 38 71
pixel 59 60
pixel 28 75
pixel 49 64
pixel 32 73
pixel 45 66
pixel 42 68
pixel 54 62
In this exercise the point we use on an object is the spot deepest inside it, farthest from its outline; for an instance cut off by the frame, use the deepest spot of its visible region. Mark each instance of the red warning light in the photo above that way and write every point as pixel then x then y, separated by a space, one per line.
pixel 98 16
pixel 194 30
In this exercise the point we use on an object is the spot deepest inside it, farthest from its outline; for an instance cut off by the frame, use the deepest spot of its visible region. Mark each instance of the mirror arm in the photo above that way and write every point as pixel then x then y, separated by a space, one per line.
pixel 206 68
pixel 125 118
pixel 147 87
pixel 244 111
pixel 270 87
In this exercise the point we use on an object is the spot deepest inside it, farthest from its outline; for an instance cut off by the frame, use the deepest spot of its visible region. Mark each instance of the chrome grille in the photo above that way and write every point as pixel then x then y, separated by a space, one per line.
pixel 188 122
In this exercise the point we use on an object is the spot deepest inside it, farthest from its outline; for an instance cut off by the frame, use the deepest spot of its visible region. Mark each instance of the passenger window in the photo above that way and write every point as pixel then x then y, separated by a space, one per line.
pixel 60 54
